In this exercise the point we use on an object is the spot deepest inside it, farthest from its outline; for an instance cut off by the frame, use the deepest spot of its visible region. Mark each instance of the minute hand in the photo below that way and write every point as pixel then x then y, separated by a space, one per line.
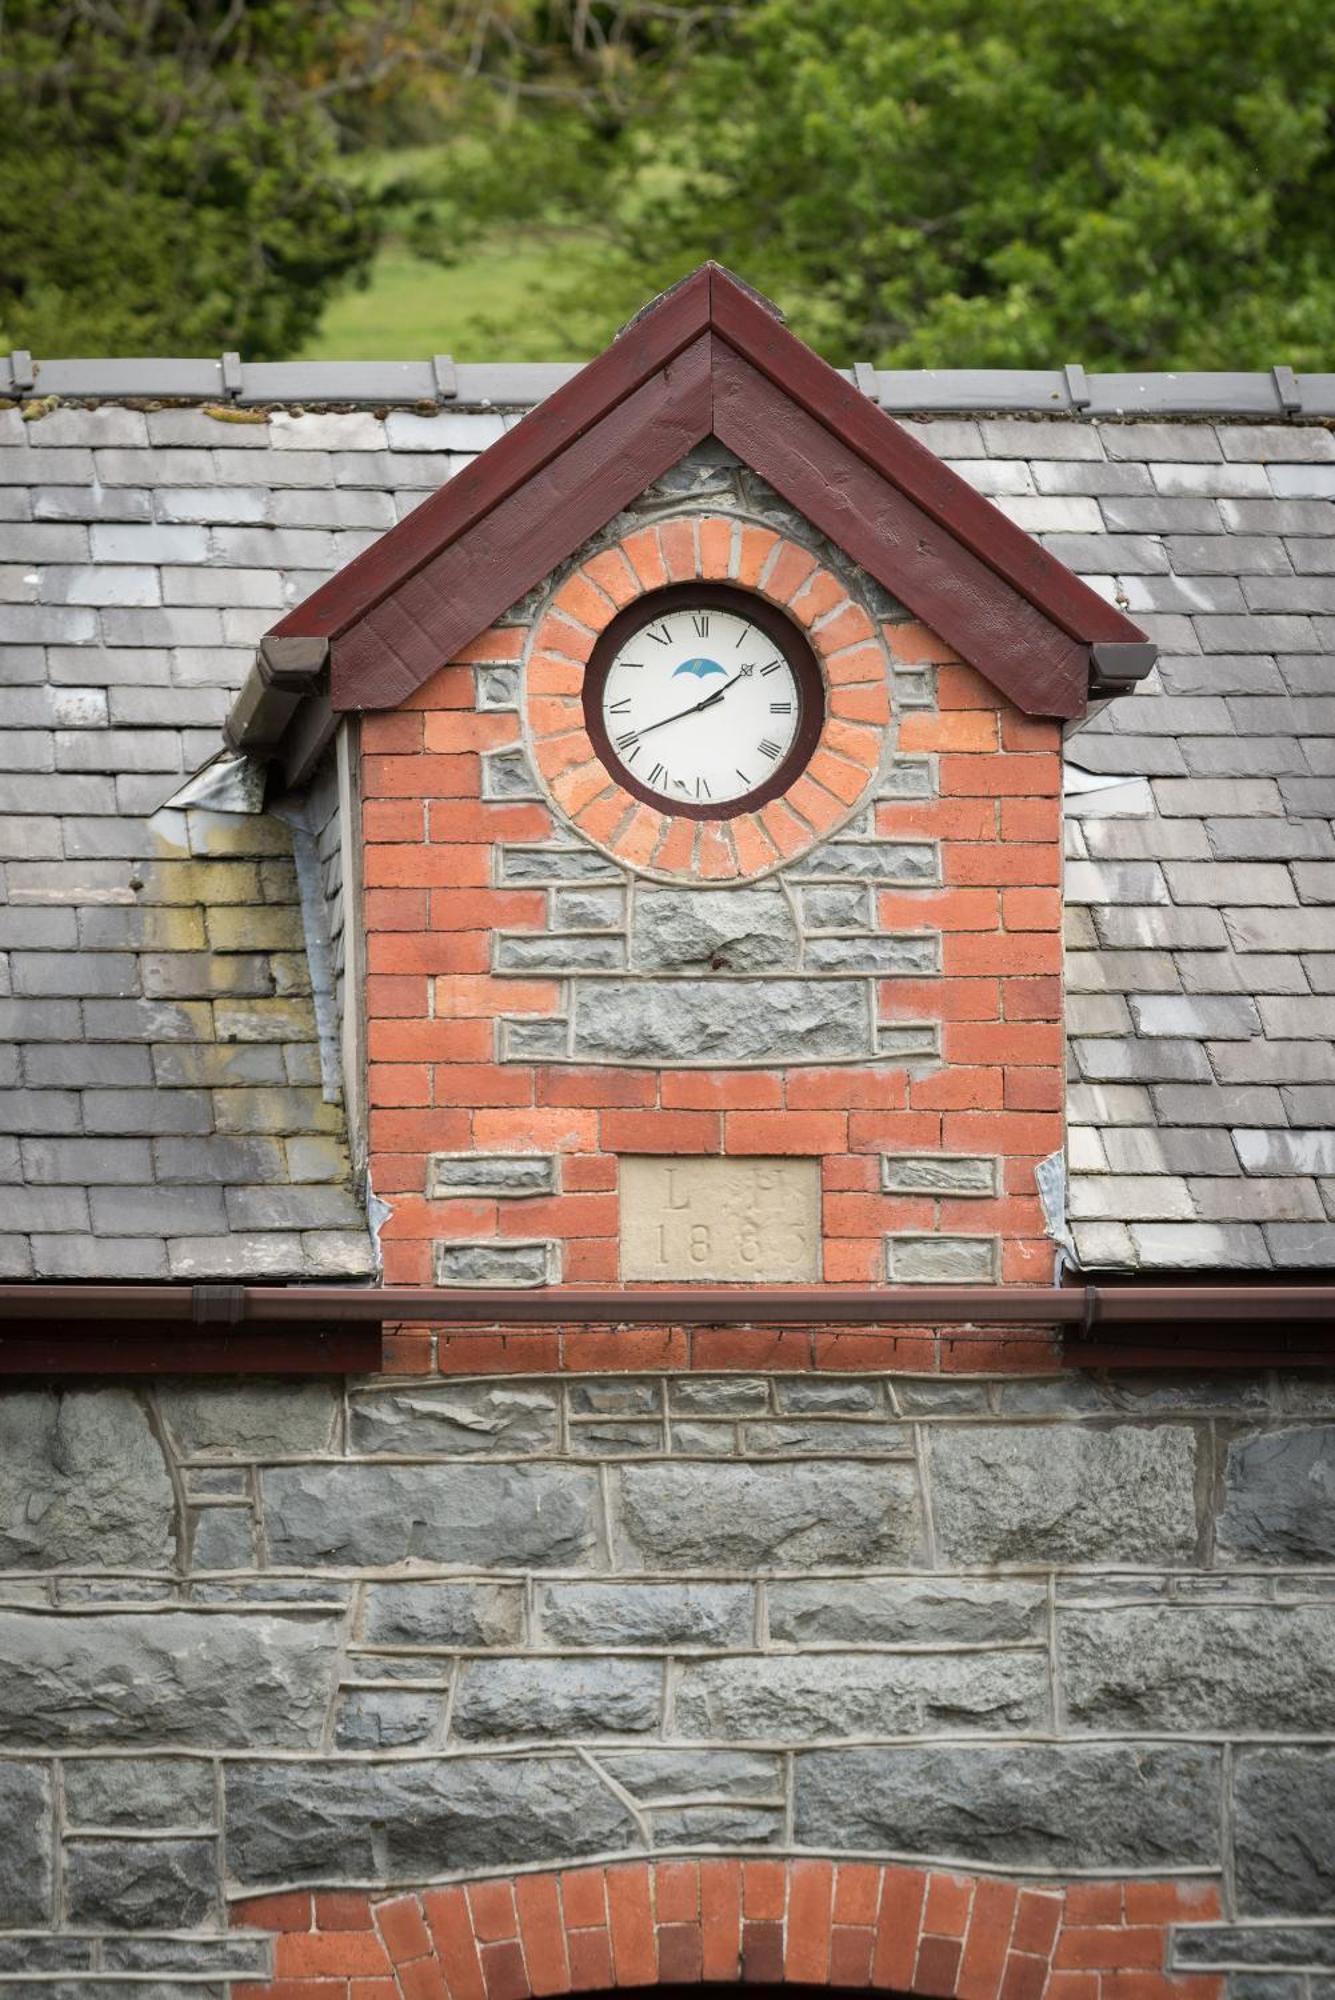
pixel 694 709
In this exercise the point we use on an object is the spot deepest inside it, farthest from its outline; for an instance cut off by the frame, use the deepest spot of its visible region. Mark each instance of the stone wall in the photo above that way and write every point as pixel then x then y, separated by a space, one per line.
pixel 275 1637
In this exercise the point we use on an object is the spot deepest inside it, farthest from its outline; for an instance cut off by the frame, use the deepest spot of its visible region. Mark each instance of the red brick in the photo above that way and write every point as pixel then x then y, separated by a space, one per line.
pixel 988 1940
pixel 1072 1986
pixel 720 1090
pixel 794 1132
pixel 403 1929
pixel 762 1953
pixel 624 1351
pixel 660 1132
pixel 1112 1947
pixel 810 1898
pixel 631 1923
pixel 293 1989
pixel 1034 1090
pixel 590 1961
pixel 313 1954
pixel 938 909
pixel 592 1173
pixel 916 646
pixel 861 1089
pixel 1023 1042
pixel 544 1129
pixel 953 729
pixel 288 1912
pixel 542 1933
pixel 1032 999
pixel 939 999
pixel 1010 951
pixel 1028 732
pixel 583 1898
pixel 1031 819
pixel 680 1954
pixel 949 1901
pixel 1001 862
pixel 396 909
pixel 397 732
pixel 341 1910
pixel 451 1928
pixel 492 1906
pixel 597 1088
pixel 938 1966
pixel 591 1260
pixel 1170 1902
pixel 993 777
pixel 850 1956
pixel 898 1927
pixel 964 687
pixel 1036 1919
pixel 422 1979
pixel 938 819
pixel 503 1971
pixel 839 1350
pixel 957 1090
pixel 382 1989
pixel 764 1890
pixel 1031 909
pixel 393 820
pixel 721 1918
pixel 748 1347
pixel 1094 1903
pixel 677 1891
pixel 1024 1978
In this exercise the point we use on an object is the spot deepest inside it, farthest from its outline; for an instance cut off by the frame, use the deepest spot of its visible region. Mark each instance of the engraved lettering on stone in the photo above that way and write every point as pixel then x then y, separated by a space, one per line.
pixel 729 1221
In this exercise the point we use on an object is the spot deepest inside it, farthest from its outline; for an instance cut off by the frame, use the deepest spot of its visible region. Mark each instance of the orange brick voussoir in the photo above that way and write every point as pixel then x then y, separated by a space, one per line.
pixel 804 1921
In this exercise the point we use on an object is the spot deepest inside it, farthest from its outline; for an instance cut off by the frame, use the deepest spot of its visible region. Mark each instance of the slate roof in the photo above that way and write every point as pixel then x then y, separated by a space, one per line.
pixel 167 1106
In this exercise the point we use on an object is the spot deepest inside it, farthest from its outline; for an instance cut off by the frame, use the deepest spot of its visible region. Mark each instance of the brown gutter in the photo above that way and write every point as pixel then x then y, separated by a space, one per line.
pixel 109 1329
pixel 892 1305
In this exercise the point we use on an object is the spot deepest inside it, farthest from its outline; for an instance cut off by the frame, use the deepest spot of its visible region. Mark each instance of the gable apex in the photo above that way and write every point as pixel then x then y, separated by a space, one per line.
pixel 707 358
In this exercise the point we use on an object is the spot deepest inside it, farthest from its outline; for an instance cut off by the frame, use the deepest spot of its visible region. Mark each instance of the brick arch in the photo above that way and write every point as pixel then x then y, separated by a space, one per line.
pixel 717 1920
pixel 855 653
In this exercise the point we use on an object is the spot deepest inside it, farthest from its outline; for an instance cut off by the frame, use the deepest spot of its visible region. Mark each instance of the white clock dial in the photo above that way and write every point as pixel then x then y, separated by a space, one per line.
pixel 700 706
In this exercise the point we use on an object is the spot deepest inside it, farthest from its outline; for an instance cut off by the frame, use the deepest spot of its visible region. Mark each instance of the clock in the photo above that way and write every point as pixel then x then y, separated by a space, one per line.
pixel 703 700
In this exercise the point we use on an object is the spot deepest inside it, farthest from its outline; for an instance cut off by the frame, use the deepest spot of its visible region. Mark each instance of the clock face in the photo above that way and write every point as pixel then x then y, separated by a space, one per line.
pixel 704 702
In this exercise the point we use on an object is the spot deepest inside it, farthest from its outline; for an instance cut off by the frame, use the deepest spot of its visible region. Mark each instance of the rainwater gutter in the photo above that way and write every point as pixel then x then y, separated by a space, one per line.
pixel 227 1329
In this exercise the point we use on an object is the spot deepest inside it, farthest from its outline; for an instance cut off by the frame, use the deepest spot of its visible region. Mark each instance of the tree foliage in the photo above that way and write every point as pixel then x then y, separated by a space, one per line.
pixel 1005 183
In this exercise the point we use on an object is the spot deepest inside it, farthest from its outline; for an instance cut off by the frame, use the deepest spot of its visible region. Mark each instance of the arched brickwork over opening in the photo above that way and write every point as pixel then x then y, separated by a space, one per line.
pixel 806 1922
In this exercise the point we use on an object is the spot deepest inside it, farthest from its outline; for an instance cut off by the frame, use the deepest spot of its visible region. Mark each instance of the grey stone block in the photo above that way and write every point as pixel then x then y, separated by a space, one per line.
pixel 908 861
pixel 646 1614
pixel 825 1436
pixel 139 1791
pixel 507 774
pixel 379 1515
pixel 248 1419
pixel 459 1418
pixel 767 1516
pixel 410 1821
pixel 813 1396
pixel 82 1481
pixel 531 1697
pixel 1022 1493
pixel 223 1538
pixel 688 1771
pixel 1197 1667
pixel 1220 1017
pixel 386 1718
pixel 580 952
pixel 729 1022
pixel 26 1812
pixel 934 1259
pixel 1283 1802
pixel 141 1884
pixel 190 1678
pixel 695 930
pixel 905 955
pixel 837 908
pixel 464 1613
pixel 1058 1806
pixel 1279 1496
pixel 540 865
pixel 798 1700
pixel 588 909
pixel 898 1611
pixel 719 1395
pixel 490 1174
pixel 511 1264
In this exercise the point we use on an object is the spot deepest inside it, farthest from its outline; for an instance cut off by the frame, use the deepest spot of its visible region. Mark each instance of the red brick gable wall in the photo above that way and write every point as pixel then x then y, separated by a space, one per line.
pixel 484 813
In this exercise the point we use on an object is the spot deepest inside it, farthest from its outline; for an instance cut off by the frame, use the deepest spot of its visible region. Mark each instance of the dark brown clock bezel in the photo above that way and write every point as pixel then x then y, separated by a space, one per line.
pixel 776 625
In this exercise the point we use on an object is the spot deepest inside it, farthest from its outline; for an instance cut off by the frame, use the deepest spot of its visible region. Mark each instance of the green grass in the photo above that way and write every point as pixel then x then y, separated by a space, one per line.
pixel 485 308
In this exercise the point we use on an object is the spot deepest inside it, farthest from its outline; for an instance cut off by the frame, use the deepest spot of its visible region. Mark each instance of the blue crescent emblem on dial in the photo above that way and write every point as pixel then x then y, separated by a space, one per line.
pixel 700 668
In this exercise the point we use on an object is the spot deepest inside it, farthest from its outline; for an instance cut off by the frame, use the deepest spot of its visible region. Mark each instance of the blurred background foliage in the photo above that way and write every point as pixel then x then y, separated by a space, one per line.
pixel 922 183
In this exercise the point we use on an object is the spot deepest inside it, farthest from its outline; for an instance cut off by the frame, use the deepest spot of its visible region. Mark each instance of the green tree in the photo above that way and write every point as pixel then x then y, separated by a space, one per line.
pixel 1005 183
pixel 169 173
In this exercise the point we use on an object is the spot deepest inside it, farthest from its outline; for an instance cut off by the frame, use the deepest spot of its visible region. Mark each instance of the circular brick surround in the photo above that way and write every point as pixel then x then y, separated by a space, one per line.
pixel 854 660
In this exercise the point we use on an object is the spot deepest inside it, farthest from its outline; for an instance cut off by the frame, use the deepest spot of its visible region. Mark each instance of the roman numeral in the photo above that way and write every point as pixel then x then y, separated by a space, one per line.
pixel 700 620
pixel 660 638
pixel 769 749
pixel 631 736
pixel 658 773
pixel 781 708
pixel 772 668
pixel 618 707
pixel 702 790
pixel 636 666
pixel 742 775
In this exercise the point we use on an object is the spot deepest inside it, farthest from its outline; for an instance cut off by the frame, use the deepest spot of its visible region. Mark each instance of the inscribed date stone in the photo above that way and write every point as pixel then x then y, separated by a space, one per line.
pixel 731 1221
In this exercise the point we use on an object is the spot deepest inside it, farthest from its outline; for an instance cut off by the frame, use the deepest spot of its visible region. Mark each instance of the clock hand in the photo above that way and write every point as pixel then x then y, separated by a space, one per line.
pixel 694 709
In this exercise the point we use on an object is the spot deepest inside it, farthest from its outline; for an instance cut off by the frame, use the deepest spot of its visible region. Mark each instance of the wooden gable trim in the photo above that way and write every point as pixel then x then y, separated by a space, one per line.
pixel 709 358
